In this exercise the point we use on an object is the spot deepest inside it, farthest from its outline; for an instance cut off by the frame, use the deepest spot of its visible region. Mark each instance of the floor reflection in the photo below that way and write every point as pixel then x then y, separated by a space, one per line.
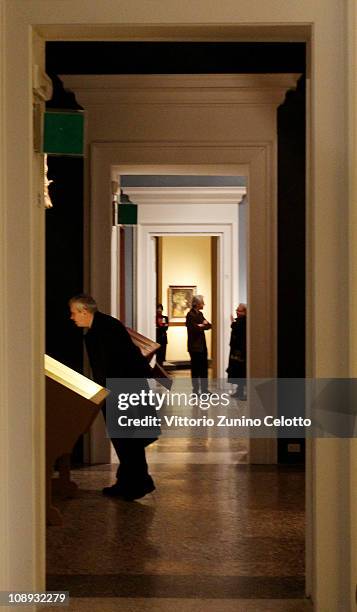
pixel 216 531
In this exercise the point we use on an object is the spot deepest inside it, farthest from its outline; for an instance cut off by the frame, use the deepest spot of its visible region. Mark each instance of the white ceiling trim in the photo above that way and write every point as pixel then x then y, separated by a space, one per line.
pixel 180 88
pixel 186 195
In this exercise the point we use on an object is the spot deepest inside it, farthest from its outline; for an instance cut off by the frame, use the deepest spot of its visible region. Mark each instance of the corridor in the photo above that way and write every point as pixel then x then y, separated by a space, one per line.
pixel 217 535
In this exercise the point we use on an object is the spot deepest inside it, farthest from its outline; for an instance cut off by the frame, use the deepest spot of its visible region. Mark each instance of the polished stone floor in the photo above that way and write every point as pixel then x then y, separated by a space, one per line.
pixel 182 605
pixel 217 535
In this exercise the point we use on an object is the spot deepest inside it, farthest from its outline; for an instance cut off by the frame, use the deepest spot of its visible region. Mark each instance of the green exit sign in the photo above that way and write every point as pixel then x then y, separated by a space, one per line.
pixel 127 214
pixel 63 132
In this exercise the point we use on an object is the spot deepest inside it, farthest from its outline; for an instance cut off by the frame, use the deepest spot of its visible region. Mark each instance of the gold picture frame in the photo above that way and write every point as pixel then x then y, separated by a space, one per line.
pixel 179 301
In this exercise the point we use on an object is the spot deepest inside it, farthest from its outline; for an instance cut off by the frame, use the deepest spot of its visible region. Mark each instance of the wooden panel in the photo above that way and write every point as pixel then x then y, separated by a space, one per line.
pixel 148 347
pixel 68 415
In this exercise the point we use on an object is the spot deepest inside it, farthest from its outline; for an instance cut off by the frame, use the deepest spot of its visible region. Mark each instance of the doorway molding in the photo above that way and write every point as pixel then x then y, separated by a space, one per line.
pixel 227 268
pixel 331 289
pixel 257 162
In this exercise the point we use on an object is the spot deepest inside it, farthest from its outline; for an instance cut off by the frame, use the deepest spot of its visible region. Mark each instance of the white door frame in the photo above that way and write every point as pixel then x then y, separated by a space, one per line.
pixel 256 161
pixel 146 296
pixel 333 57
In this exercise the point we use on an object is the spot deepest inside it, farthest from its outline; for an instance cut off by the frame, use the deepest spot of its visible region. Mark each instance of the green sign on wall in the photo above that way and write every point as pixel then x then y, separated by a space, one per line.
pixel 63 132
pixel 127 214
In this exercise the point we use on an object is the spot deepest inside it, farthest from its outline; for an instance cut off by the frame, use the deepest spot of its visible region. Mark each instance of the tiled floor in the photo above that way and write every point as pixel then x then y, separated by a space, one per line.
pixel 215 532
pixel 216 536
pixel 183 605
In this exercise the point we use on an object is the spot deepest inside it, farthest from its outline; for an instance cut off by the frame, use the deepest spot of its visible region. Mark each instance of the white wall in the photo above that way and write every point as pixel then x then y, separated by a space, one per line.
pixel 186 260
pixel 242 245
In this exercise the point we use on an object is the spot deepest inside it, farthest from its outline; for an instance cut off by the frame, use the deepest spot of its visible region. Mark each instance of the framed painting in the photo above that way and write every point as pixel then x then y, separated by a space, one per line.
pixel 179 300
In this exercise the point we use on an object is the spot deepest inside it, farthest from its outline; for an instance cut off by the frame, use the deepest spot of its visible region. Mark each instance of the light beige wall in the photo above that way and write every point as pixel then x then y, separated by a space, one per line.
pixel 170 119
pixel 4 442
pixel 164 108
pixel 186 260
pixel 352 132
pixel 329 217
pixel 22 321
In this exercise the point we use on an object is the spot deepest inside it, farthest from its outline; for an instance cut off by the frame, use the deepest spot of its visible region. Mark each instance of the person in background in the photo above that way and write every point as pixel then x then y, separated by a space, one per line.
pixel 237 366
pixel 196 345
pixel 162 324
pixel 112 354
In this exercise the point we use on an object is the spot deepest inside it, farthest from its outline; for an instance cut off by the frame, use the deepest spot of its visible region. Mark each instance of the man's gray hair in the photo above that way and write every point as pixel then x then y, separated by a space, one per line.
pixel 196 300
pixel 84 301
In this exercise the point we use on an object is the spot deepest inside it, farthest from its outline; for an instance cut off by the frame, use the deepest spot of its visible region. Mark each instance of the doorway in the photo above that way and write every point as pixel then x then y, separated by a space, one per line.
pixel 184 266
pixel 326 349
pixel 180 263
pixel 223 297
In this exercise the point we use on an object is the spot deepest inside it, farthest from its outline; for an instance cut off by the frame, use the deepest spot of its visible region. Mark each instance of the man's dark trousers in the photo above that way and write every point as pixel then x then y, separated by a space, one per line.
pixel 132 472
pixel 199 371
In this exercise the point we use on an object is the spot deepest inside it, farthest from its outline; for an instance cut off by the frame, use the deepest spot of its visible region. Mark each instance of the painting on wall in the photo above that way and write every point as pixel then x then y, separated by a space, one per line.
pixel 179 300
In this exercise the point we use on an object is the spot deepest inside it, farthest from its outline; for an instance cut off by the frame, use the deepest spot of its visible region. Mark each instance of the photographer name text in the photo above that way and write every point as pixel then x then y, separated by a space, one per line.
pixel 216 421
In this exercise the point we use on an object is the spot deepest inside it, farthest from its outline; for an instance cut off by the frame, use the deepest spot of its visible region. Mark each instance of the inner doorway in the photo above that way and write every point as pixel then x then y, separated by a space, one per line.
pixel 186 266
pixel 182 208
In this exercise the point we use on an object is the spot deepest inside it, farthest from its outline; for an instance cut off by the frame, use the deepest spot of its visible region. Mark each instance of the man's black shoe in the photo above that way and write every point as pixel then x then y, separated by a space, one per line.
pixel 117 491
pixel 114 491
pixel 149 488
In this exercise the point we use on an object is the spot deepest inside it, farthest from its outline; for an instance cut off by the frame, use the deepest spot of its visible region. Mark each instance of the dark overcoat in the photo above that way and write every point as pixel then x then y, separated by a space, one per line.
pixel 161 331
pixel 196 340
pixel 113 355
pixel 237 366
pixel 111 351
